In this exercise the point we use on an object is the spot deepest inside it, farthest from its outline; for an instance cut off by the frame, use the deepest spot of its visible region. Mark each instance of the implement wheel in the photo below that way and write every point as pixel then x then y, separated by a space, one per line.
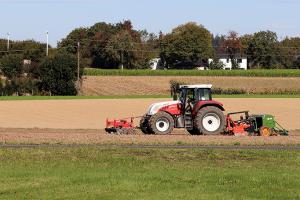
pixel 265 131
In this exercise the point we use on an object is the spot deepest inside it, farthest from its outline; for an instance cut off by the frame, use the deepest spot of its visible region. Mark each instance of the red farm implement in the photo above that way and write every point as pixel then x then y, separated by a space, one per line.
pixel 120 126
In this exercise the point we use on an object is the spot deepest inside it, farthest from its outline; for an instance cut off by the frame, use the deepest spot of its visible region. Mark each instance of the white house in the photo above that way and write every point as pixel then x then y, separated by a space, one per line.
pixel 242 61
pixel 156 64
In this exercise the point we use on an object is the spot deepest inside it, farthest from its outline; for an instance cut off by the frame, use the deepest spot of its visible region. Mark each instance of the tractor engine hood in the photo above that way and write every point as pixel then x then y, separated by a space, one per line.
pixel 154 108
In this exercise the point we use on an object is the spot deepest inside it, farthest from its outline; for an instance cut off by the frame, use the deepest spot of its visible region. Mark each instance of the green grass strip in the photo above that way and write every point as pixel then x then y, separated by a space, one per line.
pixel 127 174
pixel 245 73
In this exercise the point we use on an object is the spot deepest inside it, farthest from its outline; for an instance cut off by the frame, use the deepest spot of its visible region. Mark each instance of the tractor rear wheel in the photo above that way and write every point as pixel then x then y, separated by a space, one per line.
pixel 145 126
pixel 161 123
pixel 210 121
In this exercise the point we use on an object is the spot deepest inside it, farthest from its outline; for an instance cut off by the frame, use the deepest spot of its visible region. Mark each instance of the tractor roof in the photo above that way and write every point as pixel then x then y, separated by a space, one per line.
pixel 209 86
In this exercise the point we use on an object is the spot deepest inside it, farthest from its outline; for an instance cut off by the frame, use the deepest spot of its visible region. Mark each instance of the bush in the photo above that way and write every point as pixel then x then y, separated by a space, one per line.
pixel 58 75
pixel 11 66
pixel 216 64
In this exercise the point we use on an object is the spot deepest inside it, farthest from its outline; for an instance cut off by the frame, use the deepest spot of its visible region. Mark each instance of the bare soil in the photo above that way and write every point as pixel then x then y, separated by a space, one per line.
pixel 91 114
pixel 159 85
pixel 179 137
pixel 83 121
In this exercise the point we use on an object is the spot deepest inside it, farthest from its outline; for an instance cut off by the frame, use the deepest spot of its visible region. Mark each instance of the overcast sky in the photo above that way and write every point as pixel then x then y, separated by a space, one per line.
pixel 30 19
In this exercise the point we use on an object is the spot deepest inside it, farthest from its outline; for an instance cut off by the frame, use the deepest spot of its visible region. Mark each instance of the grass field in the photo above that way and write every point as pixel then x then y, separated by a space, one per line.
pixel 247 73
pixel 101 173
pixel 15 98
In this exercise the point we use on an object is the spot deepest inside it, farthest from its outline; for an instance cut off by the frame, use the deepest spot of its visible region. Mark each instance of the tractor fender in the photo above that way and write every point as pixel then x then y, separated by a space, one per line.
pixel 174 109
pixel 202 104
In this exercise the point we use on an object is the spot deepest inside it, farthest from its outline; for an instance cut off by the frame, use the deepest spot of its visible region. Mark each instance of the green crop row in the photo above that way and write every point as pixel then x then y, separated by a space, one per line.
pixel 246 73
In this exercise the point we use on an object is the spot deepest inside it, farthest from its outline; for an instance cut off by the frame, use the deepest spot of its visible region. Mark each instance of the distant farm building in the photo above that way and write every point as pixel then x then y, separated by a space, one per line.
pixel 241 61
pixel 156 64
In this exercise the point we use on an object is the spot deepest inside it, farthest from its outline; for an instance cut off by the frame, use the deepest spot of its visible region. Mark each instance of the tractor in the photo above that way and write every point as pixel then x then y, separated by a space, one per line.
pixel 192 108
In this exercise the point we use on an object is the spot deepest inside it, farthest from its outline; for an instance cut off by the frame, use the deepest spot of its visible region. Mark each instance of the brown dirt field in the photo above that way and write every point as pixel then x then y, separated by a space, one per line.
pixel 85 120
pixel 91 114
pixel 158 85
pixel 59 136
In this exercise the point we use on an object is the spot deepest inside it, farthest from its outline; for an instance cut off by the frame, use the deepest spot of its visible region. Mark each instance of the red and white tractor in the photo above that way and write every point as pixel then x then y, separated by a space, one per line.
pixel 192 108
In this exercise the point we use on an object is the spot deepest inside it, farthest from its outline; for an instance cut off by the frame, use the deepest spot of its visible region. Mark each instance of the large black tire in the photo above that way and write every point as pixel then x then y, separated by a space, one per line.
pixel 161 123
pixel 210 120
pixel 145 126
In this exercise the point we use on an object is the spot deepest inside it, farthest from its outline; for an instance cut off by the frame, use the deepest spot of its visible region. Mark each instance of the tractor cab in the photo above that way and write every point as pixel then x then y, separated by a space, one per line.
pixel 194 93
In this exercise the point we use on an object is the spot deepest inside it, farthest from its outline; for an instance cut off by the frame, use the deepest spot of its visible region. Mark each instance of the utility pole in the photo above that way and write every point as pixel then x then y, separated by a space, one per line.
pixel 47 48
pixel 8 34
pixel 78 64
pixel 122 58
pixel 78 68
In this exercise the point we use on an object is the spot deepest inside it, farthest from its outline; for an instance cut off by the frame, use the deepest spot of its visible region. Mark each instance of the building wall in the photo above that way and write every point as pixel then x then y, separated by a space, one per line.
pixel 228 64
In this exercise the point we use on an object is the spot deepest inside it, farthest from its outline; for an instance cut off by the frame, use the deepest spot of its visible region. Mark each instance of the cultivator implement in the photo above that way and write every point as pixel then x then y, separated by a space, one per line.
pixel 121 126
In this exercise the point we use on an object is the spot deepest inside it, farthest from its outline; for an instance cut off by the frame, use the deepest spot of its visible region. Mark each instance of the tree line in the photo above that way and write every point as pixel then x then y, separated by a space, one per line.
pixel 105 45
pixel 25 69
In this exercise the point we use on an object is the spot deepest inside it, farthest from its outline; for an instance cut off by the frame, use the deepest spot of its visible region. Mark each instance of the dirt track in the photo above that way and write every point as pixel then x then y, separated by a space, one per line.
pixel 91 114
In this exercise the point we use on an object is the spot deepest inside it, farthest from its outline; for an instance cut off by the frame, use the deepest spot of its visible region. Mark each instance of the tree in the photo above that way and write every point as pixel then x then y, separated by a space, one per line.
pixel 103 45
pixel 11 66
pixel 245 41
pixel 263 50
pixel 188 43
pixel 120 48
pixel 296 63
pixel 217 42
pixel 232 47
pixel 290 52
pixel 58 74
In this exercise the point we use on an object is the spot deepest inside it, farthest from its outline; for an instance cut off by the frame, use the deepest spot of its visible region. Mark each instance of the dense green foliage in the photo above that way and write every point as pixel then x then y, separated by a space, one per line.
pixel 110 45
pixel 11 66
pixel 27 49
pixel 263 50
pixel 58 75
pixel 99 173
pixel 186 45
pixel 248 73
pixel 54 75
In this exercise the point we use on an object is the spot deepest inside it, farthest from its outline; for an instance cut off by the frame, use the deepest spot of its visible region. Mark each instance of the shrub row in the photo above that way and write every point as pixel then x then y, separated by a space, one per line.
pixel 246 73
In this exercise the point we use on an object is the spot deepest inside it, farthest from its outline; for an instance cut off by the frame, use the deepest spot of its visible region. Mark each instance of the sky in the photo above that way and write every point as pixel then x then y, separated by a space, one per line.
pixel 30 19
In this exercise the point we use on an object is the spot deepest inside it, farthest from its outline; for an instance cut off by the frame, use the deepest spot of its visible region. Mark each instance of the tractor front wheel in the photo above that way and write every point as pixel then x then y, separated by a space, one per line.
pixel 161 123
pixel 210 121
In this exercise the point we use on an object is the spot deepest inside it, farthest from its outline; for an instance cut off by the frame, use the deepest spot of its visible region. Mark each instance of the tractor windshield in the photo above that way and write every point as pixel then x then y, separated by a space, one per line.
pixel 195 94
pixel 203 94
